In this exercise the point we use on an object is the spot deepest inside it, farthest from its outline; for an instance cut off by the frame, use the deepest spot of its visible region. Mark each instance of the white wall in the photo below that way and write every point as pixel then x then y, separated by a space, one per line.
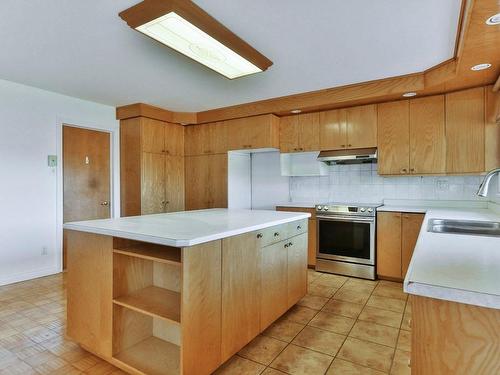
pixel 268 186
pixel 239 184
pixel 30 191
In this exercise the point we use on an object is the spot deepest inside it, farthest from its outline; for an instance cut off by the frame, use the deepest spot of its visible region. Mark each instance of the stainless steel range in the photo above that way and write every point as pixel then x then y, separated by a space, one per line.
pixel 346 239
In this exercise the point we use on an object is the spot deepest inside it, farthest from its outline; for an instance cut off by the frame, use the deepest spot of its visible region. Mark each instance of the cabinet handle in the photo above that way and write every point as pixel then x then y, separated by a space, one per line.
pixel 294 149
pixel 259 235
pixel 105 203
pixel 349 145
pixel 286 245
pixel 299 227
pixel 404 170
pixel 301 149
pixel 412 169
pixel 343 146
pixel 290 244
pixel 276 234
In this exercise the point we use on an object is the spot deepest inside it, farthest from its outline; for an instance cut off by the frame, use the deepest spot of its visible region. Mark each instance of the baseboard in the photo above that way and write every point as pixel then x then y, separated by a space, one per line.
pixel 16 278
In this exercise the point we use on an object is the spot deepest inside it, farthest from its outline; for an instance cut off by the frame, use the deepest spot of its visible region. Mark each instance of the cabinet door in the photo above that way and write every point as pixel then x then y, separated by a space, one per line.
pixel 393 138
pixel 492 129
pixel 174 139
pixel 362 126
pixel 206 139
pixel 308 131
pixel 217 181
pixel 241 285
pixel 389 244
pixel 274 261
pixel 153 135
pixel 253 132
pixel 410 228
pixel 333 130
pixel 297 269
pixel 153 183
pixel 196 179
pixel 289 134
pixel 427 135
pixel 218 138
pixel 465 131
pixel 174 184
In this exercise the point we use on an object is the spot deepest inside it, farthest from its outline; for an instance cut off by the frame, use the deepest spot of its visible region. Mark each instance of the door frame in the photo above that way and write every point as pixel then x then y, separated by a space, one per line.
pixel 114 170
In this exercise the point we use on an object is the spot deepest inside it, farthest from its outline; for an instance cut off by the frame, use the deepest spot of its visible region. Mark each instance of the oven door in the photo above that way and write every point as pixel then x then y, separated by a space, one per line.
pixel 350 239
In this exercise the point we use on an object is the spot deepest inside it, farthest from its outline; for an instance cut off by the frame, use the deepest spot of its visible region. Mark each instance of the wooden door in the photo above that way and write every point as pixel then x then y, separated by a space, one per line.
pixel 297 269
pixel 174 139
pixel 274 283
pixel 332 130
pixel 241 285
pixel 492 129
pixel 427 135
pixel 410 228
pixel 308 131
pixel 393 138
pixel 86 176
pixel 153 135
pixel 389 244
pixel 217 181
pixel 197 180
pixel 465 131
pixel 174 183
pixel 362 126
pixel 153 199
pixel 289 134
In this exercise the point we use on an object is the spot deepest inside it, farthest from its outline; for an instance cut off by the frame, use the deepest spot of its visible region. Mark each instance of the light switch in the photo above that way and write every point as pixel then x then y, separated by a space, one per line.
pixel 52 160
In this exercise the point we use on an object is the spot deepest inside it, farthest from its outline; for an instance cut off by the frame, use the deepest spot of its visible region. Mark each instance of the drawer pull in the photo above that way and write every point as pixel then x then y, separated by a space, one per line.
pixel 290 244
pixel 286 245
pixel 276 234
pixel 299 227
pixel 259 235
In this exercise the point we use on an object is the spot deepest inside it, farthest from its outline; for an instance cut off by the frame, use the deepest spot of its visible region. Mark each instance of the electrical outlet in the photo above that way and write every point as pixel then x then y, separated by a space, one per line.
pixel 52 161
pixel 45 251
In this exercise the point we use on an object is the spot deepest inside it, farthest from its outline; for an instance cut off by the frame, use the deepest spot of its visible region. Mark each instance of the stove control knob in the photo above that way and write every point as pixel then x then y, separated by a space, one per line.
pixel 325 208
pixel 370 210
pixel 362 209
pixel 319 208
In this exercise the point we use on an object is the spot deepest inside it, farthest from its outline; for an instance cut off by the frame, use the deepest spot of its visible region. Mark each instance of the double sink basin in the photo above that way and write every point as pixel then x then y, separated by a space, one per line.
pixel 469 227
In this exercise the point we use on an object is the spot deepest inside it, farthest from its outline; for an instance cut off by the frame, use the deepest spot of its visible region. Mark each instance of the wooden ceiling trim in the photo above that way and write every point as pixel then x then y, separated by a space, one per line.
pixel 143 110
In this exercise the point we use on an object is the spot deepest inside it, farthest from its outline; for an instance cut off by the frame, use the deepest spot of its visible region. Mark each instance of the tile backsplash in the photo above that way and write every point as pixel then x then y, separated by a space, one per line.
pixel 361 183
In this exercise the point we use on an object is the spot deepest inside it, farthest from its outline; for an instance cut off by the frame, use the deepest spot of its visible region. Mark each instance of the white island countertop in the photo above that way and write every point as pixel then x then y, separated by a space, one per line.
pixel 187 228
pixel 455 267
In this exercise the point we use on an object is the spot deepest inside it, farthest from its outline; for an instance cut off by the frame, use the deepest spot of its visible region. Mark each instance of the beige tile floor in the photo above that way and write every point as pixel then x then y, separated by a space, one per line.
pixel 343 326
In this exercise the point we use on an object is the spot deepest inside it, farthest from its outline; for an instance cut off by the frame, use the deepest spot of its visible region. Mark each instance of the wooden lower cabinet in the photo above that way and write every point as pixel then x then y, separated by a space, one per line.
pixel 454 338
pixel 153 309
pixel 397 235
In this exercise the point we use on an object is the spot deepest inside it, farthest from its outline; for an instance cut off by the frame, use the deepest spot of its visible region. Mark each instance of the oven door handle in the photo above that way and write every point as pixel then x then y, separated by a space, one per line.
pixel 347 218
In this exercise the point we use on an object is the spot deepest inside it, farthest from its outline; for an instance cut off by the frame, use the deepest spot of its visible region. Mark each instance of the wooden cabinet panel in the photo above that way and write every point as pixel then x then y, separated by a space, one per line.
pixel 253 132
pixel 492 129
pixel 465 131
pixel 153 183
pixel 241 289
pixel 410 228
pixel 289 134
pixel 362 126
pixel 206 139
pixel 153 135
pixel 217 181
pixel 427 135
pixel 174 139
pixel 389 244
pixel 308 131
pixel 312 243
pixel 297 269
pixel 333 129
pixel 393 138
pixel 274 283
pixel 174 183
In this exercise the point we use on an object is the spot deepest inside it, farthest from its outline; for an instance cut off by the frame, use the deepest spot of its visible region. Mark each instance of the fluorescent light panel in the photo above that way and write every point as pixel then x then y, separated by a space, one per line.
pixel 181 35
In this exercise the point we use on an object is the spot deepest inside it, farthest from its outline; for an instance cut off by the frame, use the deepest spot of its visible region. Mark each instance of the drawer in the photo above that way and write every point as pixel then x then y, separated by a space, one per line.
pixel 272 235
pixel 297 227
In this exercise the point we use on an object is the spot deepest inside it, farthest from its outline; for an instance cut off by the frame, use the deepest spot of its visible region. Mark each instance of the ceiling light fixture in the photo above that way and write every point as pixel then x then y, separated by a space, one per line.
pixel 494 20
pixel 480 67
pixel 296 111
pixel 409 94
pixel 188 29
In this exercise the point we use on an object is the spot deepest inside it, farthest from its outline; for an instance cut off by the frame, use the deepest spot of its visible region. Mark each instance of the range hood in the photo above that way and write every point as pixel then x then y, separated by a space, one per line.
pixel 354 156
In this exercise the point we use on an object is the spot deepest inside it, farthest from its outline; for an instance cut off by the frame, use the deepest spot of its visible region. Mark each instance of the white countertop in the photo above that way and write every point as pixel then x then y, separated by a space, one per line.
pixel 454 267
pixel 187 228
pixel 422 206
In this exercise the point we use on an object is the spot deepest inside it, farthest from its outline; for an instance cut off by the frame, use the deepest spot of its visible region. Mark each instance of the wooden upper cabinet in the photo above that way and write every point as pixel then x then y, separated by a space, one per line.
pixel 299 133
pixel 153 135
pixel 389 244
pixel 174 139
pixel 206 139
pixel 333 130
pixel 393 138
pixel 427 135
pixel 492 129
pixel 410 229
pixel 253 132
pixel 465 131
pixel 362 126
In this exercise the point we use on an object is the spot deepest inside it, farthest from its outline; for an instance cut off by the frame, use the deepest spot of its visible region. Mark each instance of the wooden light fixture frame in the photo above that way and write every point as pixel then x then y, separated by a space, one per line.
pixel 149 10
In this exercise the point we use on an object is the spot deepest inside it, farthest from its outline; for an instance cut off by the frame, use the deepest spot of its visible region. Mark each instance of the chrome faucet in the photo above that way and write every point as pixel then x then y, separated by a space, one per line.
pixel 483 188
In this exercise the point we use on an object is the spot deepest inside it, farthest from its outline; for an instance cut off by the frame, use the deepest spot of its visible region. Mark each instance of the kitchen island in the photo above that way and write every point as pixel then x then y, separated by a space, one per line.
pixel 180 293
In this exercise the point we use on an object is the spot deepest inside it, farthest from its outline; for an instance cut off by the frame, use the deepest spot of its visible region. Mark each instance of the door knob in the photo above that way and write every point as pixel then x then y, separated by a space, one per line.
pixel 105 203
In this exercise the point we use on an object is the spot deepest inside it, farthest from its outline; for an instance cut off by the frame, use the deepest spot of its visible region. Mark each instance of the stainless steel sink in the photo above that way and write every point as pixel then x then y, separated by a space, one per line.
pixel 478 228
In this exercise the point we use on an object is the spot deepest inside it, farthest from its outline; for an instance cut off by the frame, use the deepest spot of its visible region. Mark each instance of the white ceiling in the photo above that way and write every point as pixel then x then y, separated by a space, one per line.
pixel 83 49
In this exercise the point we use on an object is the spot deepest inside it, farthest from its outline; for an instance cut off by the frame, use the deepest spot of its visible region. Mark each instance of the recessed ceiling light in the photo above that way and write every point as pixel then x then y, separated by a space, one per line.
pixel 480 67
pixel 188 29
pixel 296 110
pixel 409 94
pixel 494 20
